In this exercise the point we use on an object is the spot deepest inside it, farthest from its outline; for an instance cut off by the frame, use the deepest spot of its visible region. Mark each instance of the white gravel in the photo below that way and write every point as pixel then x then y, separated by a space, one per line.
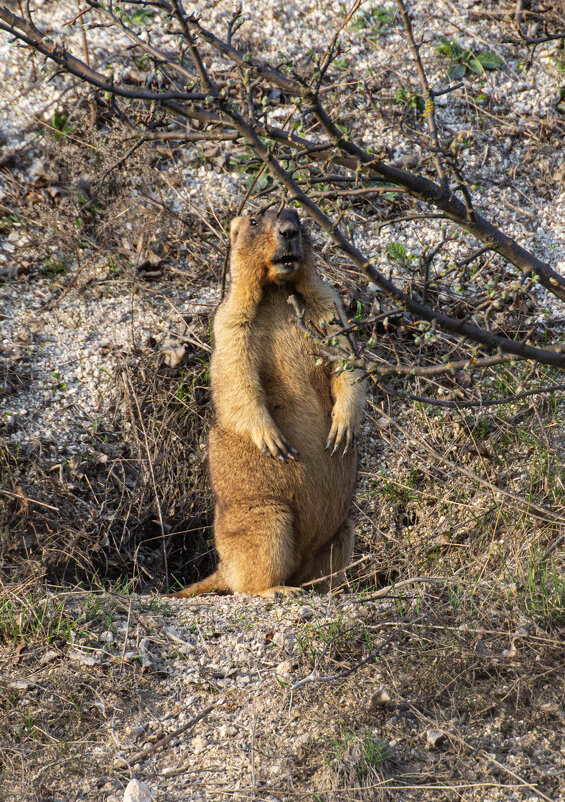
pixel 237 651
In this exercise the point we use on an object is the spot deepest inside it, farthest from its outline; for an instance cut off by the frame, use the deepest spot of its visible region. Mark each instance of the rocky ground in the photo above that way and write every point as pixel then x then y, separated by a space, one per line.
pixel 447 685
pixel 237 698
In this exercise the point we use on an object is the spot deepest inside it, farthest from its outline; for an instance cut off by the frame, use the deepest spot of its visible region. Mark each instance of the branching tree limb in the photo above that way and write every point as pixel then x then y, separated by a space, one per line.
pixel 229 110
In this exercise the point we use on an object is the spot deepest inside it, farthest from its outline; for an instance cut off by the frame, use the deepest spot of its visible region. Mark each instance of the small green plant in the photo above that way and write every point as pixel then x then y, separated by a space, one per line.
pixel 54 267
pixel 307 647
pixel 397 252
pixel 31 619
pixel 156 604
pixel 113 266
pixel 59 383
pixel 142 62
pixel 374 21
pixel 455 596
pixel 26 724
pixel 9 221
pixel 467 60
pixel 190 385
pixel 544 592
pixel 362 747
pixel 412 100
pixel 60 125
pixel 376 750
pixel 558 59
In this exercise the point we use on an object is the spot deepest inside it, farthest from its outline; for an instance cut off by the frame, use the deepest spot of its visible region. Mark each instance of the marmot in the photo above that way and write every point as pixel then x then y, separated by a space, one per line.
pixel 282 447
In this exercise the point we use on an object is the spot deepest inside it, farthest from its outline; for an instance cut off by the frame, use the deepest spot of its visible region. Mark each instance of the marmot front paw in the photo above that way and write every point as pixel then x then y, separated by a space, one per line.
pixel 271 443
pixel 343 432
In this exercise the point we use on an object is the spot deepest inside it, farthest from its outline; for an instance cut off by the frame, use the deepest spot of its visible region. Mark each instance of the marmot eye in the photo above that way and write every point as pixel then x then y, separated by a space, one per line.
pixel 252 221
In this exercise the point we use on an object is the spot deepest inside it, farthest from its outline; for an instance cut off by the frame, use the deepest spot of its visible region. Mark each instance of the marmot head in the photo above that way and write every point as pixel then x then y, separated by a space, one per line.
pixel 273 243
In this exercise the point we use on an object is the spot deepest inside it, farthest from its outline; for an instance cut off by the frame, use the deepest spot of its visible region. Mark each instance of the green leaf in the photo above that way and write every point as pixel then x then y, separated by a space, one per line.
pixel 456 72
pixel 449 48
pixel 396 251
pixel 475 66
pixel 262 182
pixel 490 61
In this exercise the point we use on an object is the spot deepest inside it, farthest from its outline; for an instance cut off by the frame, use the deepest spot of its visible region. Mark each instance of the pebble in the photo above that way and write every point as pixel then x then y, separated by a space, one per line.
pixel 84 659
pixel 137 791
pixel 434 738
pixel 227 731
pixel 305 613
pixel 199 744
pixel 379 699
pixel 284 668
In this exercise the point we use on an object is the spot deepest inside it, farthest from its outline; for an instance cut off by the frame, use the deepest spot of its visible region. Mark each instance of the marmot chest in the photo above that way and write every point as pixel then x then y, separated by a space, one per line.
pixel 287 359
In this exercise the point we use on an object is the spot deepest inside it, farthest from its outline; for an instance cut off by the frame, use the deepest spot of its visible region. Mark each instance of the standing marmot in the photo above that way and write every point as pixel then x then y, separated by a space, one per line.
pixel 280 521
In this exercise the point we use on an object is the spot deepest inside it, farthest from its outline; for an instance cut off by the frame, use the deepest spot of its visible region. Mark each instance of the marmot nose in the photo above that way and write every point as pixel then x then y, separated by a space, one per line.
pixel 288 231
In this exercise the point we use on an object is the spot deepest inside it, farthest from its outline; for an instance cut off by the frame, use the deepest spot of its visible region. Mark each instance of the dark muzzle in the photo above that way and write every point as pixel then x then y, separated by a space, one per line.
pixel 289 237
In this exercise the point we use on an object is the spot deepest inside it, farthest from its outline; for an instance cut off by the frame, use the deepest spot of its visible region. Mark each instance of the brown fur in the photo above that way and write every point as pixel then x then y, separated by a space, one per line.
pixel 282 520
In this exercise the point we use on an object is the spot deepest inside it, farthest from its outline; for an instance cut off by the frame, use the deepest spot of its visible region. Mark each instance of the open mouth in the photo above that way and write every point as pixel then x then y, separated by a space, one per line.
pixel 286 263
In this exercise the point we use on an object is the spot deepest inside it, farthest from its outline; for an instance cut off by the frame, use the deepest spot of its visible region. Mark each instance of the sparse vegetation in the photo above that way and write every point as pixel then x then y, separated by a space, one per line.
pixel 116 232
pixel 463 61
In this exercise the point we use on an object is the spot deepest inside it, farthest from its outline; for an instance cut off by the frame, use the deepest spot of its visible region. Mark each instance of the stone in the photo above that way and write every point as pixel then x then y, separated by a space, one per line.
pixel 305 613
pixel 379 699
pixel 199 744
pixel 434 738
pixel 227 731
pixel 137 791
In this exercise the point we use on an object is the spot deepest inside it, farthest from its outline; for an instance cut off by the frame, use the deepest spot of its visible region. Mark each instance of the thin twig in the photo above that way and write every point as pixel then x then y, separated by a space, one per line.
pixel 28 500
pixel 320 579
pixel 429 111
pixel 150 750
pixel 487 402
pixel 554 546
pixel 390 590
pixel 313 677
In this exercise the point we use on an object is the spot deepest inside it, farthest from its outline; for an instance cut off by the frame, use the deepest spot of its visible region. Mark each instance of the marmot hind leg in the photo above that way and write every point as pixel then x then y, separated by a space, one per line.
pixel 256 548
pixel 329 559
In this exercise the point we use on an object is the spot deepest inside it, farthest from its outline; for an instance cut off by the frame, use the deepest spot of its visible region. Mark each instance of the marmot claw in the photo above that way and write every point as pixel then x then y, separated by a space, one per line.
pixel 274 445
pixel 340 434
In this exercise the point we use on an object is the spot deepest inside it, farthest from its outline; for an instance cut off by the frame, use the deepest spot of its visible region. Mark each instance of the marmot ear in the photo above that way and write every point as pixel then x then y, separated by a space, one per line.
pixel 234 229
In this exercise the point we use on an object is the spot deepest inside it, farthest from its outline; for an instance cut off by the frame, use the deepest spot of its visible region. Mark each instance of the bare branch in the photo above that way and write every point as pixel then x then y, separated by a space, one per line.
pixel 338 149
pixel 484 402
pixel 32 36
pixel 430 106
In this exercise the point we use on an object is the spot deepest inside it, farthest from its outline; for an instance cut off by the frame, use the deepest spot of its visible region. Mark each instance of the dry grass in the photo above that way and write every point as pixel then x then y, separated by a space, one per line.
pixel 57 710
pixel 128 517
pixel 470 499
